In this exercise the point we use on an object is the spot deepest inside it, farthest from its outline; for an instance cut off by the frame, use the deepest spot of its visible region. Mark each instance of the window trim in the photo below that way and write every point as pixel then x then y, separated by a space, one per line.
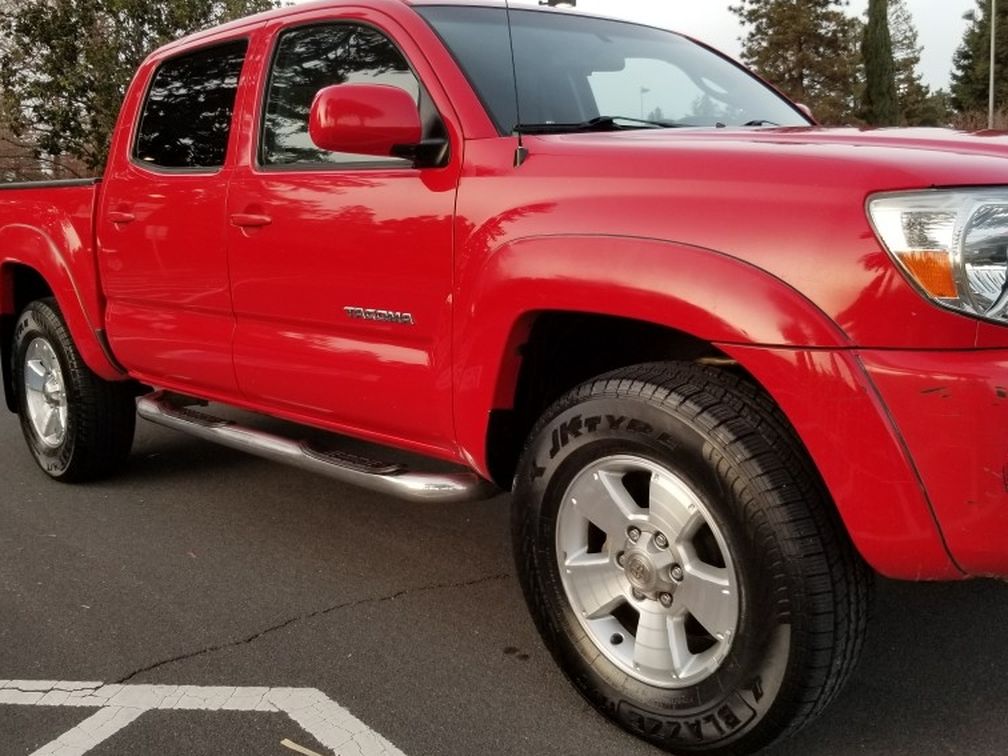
pixel 391 164
pixel 138 118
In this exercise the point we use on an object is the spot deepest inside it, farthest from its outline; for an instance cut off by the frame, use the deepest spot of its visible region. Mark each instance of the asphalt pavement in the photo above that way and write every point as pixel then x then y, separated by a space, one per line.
pixel 209 569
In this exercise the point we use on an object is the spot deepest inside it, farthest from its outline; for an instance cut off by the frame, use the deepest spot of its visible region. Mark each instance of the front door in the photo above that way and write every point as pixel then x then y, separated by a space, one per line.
pixel 341 265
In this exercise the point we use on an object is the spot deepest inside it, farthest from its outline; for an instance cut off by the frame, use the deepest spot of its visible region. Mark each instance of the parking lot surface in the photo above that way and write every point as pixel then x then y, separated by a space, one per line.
pixel 200 568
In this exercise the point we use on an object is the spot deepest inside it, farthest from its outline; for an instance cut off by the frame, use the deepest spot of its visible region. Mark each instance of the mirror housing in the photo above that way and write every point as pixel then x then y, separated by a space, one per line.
pixel 806 110
pixel 365 119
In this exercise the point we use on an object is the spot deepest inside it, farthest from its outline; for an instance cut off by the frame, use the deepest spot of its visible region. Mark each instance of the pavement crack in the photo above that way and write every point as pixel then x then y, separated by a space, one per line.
pixel 55 688
pixel 307 617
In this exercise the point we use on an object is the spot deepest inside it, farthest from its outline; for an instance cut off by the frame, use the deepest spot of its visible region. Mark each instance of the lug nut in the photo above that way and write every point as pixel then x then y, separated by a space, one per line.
pixel 666 600
pixel 661 541
pixel 676 573
pixel 638 595
pixel 633 534
pixel 621 559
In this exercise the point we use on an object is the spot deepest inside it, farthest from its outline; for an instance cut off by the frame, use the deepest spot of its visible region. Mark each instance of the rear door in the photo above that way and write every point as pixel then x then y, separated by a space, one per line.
pixel 341 264
pixel 162 220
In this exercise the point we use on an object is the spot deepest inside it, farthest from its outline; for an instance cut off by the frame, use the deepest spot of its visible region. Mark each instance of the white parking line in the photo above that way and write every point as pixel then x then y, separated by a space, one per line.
pixel 119 705
pixel 103 724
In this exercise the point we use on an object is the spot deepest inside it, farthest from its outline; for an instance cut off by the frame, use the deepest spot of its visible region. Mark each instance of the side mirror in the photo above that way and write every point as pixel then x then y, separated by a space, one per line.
pixel 364 119
pixel 806 110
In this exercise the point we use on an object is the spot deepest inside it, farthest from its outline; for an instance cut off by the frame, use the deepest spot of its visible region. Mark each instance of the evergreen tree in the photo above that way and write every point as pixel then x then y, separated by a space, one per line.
pixel 65 66
pixel 971 77
pixel 880 108
pixel 808 48
pixel 918 105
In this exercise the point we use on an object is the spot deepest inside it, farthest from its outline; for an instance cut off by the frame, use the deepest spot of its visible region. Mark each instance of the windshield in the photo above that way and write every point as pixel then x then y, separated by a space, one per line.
pixel 573 70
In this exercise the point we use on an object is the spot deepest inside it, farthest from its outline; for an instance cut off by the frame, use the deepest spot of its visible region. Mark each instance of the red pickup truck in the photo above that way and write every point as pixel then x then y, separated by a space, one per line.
pixel 730 363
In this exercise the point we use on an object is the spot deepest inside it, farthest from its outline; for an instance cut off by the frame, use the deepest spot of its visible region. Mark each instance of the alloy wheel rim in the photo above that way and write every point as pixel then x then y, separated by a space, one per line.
pixel 45 393
pixel 647 571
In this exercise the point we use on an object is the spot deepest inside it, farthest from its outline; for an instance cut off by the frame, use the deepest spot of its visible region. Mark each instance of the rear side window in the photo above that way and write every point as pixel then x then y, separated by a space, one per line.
pixel 186 117
pixel 311 58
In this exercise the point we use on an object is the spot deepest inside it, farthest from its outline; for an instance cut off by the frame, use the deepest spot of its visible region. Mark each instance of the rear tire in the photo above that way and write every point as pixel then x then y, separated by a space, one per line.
pixel 683 562
pixel 78 426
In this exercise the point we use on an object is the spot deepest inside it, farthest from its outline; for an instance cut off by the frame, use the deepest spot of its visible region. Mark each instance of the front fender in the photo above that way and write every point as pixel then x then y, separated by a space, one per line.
pixel 790 346
pixel 844 424
pixel 697 291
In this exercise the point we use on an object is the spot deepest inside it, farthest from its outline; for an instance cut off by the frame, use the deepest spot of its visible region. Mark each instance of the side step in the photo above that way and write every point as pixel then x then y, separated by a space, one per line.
pixel 387 478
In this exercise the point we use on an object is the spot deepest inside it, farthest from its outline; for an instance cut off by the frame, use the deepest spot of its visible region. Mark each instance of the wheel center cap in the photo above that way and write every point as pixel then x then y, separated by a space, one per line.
pixel 641 572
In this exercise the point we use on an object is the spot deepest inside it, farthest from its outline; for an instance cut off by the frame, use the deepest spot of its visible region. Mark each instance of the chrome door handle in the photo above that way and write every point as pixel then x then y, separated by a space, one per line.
pixel 250 220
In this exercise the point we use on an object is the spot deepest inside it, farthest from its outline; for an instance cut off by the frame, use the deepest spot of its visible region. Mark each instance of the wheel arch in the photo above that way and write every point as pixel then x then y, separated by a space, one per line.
pixel 537 306
pixel 651 292
pixel 553 355
pixel 19 286
pixel 23 282
pixel 56 261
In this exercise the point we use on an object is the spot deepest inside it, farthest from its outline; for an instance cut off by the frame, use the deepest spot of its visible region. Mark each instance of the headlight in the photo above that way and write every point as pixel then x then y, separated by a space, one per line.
pixel 952 244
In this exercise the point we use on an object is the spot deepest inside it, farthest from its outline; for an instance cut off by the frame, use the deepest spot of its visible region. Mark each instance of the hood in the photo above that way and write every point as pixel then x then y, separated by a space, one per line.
pixel 887 159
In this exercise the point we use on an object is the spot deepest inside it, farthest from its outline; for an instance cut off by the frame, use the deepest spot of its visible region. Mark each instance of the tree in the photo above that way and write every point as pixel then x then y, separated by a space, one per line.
pixel 971 76
pixel 808 48
pixel 17 161
pixel 65 66
pixel 918 105
pixel 879 104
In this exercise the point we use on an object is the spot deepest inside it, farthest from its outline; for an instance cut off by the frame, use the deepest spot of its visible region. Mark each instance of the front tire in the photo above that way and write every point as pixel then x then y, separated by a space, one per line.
pixel 683 562
pixel 78 426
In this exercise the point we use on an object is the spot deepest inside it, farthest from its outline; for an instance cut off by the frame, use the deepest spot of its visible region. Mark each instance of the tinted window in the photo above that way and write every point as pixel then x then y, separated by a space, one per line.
pixel 315 57
pixel 187 116
pixel 571 69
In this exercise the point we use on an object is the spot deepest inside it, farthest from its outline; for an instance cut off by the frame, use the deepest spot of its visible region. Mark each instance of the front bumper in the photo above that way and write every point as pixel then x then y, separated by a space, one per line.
pixel 951 411
pixel 849 433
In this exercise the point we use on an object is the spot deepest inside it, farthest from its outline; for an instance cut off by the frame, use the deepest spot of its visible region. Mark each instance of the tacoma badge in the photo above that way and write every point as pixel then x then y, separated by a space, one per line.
pixel 383 316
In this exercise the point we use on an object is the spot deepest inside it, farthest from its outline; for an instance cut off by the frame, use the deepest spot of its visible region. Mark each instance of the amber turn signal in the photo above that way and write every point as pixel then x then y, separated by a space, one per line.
pixel 932 269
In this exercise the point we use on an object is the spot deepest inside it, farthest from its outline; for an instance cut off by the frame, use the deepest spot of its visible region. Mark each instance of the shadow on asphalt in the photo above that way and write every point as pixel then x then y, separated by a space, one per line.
pixel 180 457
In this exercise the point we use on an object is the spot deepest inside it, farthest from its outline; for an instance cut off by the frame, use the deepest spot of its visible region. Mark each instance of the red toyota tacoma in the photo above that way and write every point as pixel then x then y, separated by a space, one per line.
pixel 729 363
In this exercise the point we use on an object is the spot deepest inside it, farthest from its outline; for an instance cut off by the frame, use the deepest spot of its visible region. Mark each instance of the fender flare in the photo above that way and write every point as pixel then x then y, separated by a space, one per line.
pixel 70 271
pixel 701 292
pixel 741 309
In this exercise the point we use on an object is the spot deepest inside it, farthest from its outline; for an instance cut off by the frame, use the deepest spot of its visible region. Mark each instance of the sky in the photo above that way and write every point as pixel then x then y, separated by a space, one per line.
pixel 939 22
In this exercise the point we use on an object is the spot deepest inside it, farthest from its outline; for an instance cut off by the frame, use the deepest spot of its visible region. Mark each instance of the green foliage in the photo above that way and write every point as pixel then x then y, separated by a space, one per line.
pixel 65 66
pixel 918 105
pixel 809 49
pixel 971 78
pixel 839 66
pixel 879 103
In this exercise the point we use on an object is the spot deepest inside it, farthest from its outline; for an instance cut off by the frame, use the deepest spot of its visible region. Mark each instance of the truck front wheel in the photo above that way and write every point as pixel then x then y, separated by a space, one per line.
pixel 683 562
pixel 78 426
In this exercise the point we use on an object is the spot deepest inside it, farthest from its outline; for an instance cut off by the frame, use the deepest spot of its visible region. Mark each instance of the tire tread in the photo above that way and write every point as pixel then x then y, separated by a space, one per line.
pixel 104 412
pixel 783 494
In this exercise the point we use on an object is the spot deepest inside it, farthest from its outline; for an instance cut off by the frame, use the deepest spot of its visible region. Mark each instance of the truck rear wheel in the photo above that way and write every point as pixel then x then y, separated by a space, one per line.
pixel 78 426
pixel 683 562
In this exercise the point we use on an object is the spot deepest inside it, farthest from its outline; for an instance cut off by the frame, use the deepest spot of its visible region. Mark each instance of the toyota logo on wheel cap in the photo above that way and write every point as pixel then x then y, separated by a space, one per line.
pixel 640 572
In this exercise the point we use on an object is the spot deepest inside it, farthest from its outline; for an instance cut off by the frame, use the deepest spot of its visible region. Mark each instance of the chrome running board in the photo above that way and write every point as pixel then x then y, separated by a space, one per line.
pixel 170 410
